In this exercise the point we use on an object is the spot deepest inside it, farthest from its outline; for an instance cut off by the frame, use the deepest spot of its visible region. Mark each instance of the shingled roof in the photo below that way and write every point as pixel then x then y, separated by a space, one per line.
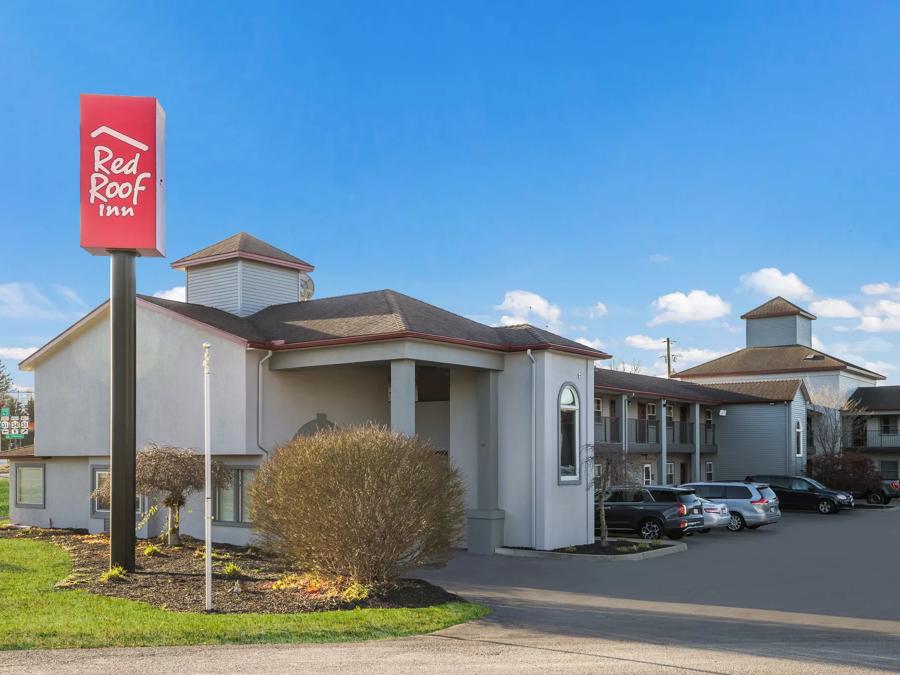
pixel 243 245
pixel 877 398
pixel 777 306
pixel 767 390
pixel 769 360
pixel 647 385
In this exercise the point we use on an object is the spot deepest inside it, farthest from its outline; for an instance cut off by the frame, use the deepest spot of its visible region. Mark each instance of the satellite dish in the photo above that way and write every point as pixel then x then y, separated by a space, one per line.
pixel 307 286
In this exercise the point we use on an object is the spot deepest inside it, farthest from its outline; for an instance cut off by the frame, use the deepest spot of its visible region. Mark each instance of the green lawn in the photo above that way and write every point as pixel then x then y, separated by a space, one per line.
pixel 35 615
pixel 4 498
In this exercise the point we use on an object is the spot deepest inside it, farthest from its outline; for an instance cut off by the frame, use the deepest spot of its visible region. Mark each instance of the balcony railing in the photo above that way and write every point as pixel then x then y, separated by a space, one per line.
pixel 877 438
pixel 647 432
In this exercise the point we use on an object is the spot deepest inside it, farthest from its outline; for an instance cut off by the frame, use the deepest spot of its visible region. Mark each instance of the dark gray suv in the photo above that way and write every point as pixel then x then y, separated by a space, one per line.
pixel 653 510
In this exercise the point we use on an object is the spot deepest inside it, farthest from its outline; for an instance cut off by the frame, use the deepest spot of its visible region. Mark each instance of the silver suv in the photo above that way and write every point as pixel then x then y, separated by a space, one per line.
pixel 751 505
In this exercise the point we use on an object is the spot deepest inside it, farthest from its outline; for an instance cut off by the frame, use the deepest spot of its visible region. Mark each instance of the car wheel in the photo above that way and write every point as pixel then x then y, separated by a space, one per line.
pixel 827 506
pixel 875 498
pixel 651 529
pixel 736 524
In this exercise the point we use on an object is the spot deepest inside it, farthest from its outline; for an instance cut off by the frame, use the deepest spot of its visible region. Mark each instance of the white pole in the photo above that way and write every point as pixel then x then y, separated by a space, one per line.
pixel 207 461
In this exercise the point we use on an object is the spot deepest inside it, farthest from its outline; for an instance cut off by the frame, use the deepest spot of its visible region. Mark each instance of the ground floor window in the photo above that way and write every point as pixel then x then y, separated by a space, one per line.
pixel 889 469
pixel 232 503
pixel 100 476
pixel 648 474
pixel 670 473
pixel 709 473
pixel 30 485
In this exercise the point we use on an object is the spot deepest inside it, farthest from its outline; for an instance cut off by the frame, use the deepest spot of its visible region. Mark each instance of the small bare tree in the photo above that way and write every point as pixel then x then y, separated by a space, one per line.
pixel 632 367
pixel 173 473
pixel 833 416
pixel 609 468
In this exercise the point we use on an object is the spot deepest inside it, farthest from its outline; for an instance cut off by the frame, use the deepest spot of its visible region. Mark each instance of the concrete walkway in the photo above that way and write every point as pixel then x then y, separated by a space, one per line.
pixel 813 595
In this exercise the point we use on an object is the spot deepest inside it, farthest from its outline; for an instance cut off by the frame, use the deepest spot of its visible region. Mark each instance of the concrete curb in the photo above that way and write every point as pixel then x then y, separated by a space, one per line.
pixel 670 549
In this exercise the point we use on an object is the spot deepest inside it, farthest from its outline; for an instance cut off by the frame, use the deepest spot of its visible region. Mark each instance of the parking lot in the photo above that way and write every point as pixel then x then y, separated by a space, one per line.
pixel 813 594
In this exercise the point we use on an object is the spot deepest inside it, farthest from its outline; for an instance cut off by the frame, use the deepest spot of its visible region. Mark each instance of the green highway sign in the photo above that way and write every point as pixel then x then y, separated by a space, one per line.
pixel 4 412
pixel 19 436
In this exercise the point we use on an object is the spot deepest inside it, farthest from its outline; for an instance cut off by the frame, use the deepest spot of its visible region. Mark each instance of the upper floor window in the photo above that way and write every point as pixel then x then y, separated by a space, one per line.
pixel 798 433
pixel 651 411
pixel 598 409
pixel 568 434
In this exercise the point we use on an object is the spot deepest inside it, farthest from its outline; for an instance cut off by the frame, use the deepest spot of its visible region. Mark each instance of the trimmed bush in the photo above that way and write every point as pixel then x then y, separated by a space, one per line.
pixel 363 503
pixel 116 573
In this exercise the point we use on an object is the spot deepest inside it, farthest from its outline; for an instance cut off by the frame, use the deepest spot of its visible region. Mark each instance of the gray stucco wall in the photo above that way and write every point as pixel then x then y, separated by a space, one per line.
pixel 752 439
pixel 73 389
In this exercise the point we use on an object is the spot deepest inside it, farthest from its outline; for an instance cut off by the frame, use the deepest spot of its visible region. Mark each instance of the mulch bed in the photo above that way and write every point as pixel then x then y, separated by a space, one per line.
pixel 175 580
pixel 614 547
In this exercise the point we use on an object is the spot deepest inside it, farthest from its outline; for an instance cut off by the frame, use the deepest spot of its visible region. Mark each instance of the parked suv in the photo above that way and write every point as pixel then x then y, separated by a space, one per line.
pixel 888 490
pixel 751 505
pixel 653 511
pixel 800 492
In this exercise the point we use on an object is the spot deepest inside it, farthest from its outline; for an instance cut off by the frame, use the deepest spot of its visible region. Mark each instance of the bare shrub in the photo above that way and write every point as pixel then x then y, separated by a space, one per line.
pixel 845 471
pixel 360 502
pixel 173 473
pixel 609 468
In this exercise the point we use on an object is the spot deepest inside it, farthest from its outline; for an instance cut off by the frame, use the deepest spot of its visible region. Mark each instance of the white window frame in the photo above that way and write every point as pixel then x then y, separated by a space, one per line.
pixel 798 438
pixel 670 471
pixel 651 411
pixel 598 409
pixel 561 407
pixel 96 470
pixel 31 505
pixel 647 474
pixel 709 472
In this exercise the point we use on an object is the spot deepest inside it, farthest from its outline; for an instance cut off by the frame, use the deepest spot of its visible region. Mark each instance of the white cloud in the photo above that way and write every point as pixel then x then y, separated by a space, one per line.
pixel 177 293
pixel 882 317
pixel 593 344
pixel 528 307
pixel 25 301
pixel 882 288
pixel 645 342
pixel 771 281
pixel 598 311
pixel 16 353
pixel 679 307
pixel 693 355
pixel 818 344
pixel 840 328
pixel 879 366
pixel 659 257
pixel 70 294
pixel 834 308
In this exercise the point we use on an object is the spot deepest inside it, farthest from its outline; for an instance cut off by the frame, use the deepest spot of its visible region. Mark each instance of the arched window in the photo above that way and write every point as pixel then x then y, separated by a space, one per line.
pixel 798 433
pixel 568 434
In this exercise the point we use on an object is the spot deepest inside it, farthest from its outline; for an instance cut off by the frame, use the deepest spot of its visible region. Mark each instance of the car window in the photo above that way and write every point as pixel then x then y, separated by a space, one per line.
pixel 768 493
pixel 688 499
pixel 665 496
pixel 715 492
pixel 701 491
pixel 737 492
pixel 816 483
pixel 800 485
pixel 777 481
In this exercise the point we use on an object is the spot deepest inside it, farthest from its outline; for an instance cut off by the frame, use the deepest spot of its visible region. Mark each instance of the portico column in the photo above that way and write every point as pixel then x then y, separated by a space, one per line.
pixel 485 523
pixel 663 420
pixel 696 441
pixel 403 396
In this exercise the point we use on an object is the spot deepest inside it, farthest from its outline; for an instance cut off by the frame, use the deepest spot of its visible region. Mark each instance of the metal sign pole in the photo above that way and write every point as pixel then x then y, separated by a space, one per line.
pixel 207 462
pixel 122 409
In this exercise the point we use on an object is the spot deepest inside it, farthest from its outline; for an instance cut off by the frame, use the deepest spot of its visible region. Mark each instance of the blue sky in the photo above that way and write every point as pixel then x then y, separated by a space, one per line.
pixel 677 164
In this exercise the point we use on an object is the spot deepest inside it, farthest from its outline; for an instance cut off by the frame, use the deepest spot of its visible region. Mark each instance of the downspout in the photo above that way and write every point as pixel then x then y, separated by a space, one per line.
pixel 259 402
pixel 533 454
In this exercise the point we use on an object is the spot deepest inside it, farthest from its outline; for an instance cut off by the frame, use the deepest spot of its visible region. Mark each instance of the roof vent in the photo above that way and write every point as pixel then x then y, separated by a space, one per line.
pixel 814 357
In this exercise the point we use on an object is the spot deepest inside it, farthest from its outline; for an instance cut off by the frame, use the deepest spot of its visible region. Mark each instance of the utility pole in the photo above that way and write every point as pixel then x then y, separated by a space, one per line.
pixel 669 357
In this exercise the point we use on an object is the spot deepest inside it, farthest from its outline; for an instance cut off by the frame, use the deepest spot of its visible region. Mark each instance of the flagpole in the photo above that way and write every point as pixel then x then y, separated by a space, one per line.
pixel 207 462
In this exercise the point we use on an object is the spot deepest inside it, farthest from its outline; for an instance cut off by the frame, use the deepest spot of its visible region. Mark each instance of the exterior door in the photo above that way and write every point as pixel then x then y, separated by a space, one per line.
pixel 684 476
pixel 684 425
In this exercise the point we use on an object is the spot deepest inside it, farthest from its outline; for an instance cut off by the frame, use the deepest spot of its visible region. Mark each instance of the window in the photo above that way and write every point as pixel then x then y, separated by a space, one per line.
pixel 647 474
pixel 800 485
pixel 707 416
pixel 737 492
pixel 709 473
pixel 670 473
pixel 232 503
pixel 889 469
pixel 715 492
pixel 664 496
pixel 651 411
pixel 568 434
pixel 670 412
pixel 598 409
pixel 100 507
pixel 30 485
pixel 888 426
pixel 798 439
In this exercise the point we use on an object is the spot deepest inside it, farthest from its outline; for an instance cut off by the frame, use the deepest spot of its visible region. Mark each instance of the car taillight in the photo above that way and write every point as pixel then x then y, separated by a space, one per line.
pixel 895 484
pixel 682 510
pixel 761 500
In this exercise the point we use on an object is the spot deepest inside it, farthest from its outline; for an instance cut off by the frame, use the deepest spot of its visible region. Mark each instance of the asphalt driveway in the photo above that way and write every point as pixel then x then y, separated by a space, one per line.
pixel 814 594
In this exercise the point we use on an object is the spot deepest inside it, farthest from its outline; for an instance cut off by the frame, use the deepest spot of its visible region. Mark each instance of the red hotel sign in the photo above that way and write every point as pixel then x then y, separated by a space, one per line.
pixel 122 174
